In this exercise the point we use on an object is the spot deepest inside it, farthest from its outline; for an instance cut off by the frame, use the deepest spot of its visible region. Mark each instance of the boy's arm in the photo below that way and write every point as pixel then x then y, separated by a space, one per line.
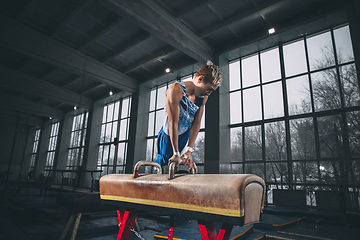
pixel 173 98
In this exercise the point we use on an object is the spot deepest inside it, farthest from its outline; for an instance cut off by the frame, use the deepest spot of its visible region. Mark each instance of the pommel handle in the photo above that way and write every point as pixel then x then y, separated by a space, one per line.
pixel 146 163
pixel 182 162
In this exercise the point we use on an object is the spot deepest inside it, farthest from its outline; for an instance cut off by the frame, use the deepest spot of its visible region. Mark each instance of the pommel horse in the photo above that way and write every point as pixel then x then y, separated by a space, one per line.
pixel 232 199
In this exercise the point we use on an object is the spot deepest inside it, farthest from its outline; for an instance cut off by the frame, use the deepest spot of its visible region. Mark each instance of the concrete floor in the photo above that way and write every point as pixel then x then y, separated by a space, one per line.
pixel 30 216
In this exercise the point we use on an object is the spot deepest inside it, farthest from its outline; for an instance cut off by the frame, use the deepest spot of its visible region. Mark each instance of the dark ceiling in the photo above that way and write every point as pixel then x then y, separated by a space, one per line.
pixel 59 53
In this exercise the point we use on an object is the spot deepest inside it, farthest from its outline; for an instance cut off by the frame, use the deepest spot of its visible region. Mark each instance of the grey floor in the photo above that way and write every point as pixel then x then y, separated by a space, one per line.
pixel 33 217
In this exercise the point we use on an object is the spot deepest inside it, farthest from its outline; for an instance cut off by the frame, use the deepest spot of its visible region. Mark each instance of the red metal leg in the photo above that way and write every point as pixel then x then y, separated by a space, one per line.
pixel 207 230
pixel 126 219
pixel 225 231
pixel 171 228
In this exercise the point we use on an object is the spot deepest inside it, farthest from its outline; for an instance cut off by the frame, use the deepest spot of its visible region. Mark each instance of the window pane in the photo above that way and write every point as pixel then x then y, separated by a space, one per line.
pixel 298 94
pixel 255 168
pixel 277 172
pixel 35 147
pixel 235 107
pixel 121 154
pixel 350 86
pixel 112 155
pixel 105 170
pixel 159 120
pixel 202 123
pixel 125 108
pixel 236 144
pixel 320 51
pixel 253 143
pixel 356 170
pixel 325 90
pixel 161 97
pixel 49 159
pixel 151 124
pixel 328 173
pixel 250 71
pixel 116 110
pixel 114 130
pixel 343 45
pixel 155 149
pixel 252 104
pixel 84 137
pixel 108 132
pixel 104 114
pixel 152 100
pixel 295 58
pixel 353 122
pixel 129 106
pixel 305 172
pixel 234 73
pixel 330 136
pixel 270 65
pixel 72 139
pixel 236 168
pixel 199 148
pixel 100 155
pixel 186 78
pixel 149 149
pixel 102 134
pixel 106 155
pixel 123 130
pixel 302 139
pixel 275 141
pixel 110 112
pixel 75 122
pixel 273 100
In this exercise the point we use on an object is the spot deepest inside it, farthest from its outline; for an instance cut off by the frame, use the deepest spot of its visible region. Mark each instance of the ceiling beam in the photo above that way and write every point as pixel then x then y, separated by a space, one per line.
pixel 93 88
pixel 192 7
pixel 24 40
pixel 26 106
pixel 12 115
pixel 69 17
pixel 129 44
pixel 155 57
pixel 239 17
pixel 26 83
pixel 173 70
pixel 100 34
pixel 150 16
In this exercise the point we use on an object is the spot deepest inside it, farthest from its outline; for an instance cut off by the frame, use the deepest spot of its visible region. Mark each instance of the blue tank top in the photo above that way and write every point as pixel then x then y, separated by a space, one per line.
pixel 188 110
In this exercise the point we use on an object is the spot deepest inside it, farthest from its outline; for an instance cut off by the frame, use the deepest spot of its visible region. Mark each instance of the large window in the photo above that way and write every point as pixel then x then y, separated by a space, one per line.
pixel 77 142
pixel 156 120
pixel 295 113
pixel 114 136
pixel 34 149
pixel 50 156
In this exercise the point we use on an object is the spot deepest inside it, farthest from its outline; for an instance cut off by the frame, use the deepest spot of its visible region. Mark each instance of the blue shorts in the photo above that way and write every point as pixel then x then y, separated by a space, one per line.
pixel 164 146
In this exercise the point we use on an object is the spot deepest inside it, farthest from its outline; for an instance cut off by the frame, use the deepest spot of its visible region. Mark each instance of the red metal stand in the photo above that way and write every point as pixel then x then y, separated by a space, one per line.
pixel 208 231
pixel 126 219
pixel 171 228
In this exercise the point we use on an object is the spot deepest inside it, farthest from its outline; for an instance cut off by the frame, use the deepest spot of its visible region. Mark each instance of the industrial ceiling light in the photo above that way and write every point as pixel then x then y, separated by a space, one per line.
pixel 110 93
pixel 50 117
pixel 75 107
pixel 167 70
pixel 271 30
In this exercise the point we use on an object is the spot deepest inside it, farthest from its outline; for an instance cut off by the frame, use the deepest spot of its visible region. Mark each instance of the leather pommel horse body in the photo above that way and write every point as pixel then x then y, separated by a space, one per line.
pixel 232 199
